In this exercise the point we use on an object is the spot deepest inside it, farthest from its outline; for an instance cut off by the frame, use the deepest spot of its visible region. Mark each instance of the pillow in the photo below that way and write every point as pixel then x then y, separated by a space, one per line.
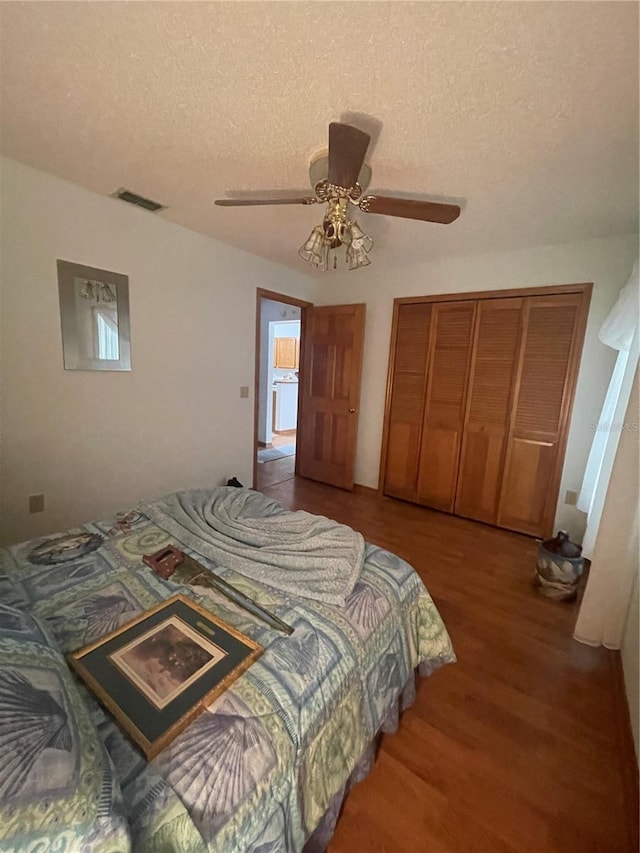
pixel 57 787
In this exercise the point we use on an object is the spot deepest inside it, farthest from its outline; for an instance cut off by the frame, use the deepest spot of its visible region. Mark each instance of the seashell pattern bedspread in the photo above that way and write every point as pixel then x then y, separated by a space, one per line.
pixel 258 770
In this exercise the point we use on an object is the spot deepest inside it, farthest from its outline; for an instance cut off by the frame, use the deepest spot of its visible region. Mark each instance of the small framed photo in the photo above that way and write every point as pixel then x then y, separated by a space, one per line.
pixel 159 671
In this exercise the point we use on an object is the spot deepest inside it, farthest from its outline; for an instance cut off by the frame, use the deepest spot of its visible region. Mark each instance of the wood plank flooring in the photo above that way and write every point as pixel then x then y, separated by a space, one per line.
pixel 521 746
pixel 276 471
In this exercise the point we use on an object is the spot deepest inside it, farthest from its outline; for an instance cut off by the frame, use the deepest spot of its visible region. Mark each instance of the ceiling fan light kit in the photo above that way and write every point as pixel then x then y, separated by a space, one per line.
pixel 317 248
pixel 337 230
pixel 345 164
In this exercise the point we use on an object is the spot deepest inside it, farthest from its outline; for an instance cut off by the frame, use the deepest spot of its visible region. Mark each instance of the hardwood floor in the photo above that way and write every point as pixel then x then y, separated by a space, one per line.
pixel 275 472
pixel 520 746
pixel 278 470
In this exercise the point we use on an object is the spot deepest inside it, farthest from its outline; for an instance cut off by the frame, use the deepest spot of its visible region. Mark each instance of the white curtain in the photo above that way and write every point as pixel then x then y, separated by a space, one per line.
pixel 614 567
pixel 609 491
pixel 619 331
pixel 599 446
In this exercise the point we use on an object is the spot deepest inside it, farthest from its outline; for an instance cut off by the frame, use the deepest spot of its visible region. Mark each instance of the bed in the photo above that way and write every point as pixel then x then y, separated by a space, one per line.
pixel 265 768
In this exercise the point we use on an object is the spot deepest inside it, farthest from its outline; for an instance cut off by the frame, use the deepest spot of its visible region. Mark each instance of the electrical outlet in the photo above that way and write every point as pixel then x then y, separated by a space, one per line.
pixel 36 503
pixel 244 390
pixel 571 498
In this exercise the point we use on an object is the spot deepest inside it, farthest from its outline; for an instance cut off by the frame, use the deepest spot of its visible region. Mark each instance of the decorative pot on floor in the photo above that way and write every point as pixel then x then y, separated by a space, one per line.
pixel 559 568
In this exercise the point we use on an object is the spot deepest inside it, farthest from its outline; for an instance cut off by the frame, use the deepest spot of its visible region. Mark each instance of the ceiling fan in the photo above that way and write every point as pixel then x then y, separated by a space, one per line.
pixel 346 175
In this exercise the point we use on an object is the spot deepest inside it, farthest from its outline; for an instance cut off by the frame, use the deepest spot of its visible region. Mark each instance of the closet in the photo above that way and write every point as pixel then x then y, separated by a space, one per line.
pixel 479 396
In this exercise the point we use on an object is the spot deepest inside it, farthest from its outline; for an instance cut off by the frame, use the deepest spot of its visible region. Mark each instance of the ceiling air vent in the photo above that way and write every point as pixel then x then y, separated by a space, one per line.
pixel 140 201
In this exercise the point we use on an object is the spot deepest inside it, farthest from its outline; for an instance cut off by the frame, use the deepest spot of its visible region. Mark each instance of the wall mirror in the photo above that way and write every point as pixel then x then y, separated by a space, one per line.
pixel 94 309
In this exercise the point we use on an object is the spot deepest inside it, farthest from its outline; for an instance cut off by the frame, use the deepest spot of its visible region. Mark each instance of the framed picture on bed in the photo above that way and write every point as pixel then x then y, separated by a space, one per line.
pixel 159 671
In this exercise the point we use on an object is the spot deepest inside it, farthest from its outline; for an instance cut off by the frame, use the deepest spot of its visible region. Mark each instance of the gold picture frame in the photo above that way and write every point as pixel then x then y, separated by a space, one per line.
pixel 159 671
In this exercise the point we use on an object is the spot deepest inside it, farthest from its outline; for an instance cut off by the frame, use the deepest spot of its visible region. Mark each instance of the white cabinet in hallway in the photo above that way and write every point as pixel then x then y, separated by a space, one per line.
pixel 285 406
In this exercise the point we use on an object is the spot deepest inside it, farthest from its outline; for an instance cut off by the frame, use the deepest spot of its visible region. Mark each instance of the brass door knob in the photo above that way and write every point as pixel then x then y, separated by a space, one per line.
pixel 351 411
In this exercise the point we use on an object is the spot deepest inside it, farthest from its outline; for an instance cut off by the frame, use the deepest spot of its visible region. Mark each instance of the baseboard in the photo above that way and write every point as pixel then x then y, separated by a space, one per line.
pixel 265 444
pixel 627 749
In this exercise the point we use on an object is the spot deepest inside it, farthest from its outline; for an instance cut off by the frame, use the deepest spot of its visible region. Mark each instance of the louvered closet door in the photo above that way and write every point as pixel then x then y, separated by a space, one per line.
pixel 409 375
pixel 489 398
pixel 450 345
pixel 540 412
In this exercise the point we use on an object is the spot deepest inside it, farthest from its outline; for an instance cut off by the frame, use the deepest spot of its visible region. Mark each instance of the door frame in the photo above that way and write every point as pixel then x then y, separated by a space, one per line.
pixel 303 304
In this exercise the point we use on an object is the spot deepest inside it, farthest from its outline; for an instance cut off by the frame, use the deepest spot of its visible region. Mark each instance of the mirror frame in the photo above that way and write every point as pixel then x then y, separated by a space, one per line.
pixel 67 272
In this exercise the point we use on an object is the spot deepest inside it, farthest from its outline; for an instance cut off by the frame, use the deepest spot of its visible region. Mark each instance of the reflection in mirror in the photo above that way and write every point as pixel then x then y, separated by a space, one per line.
pixel 95 318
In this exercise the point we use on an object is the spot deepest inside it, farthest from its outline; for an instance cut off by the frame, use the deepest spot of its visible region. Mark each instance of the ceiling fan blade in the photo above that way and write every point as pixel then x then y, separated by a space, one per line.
pixel 409 208
pixel 244 202
pixel 347 149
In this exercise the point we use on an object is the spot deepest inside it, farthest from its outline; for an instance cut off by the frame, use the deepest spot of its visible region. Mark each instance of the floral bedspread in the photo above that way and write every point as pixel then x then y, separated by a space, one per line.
pixel 258 769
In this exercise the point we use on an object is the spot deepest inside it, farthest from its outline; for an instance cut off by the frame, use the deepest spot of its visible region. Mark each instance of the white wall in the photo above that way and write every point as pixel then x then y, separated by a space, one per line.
pixel 606 262
pixel 290 329
pixel 95 442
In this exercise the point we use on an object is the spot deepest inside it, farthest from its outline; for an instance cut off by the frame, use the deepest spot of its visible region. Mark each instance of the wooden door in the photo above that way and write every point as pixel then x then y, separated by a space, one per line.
pixel 408 378
pixel 489 398
pixel 330 394
pixel 450 353
pixel 552 334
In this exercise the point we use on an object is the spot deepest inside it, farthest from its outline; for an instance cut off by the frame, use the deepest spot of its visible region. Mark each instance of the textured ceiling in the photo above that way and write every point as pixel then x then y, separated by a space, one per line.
pixel 527 113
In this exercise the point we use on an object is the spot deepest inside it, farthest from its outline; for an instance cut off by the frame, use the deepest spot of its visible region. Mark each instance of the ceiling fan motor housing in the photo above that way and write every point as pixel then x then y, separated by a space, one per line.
pixel 319 169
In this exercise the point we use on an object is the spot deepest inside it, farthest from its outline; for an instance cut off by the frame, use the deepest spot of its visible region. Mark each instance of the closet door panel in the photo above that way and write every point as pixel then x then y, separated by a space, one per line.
pixel 527 483
pixel 406 412
pixel 489 400
pixel 450 345
pixel 438 466
pixel 480 478
pixel 540 413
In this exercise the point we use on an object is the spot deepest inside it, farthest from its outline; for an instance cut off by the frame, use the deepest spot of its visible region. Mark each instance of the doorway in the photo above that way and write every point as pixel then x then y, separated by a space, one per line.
pixel 279 332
